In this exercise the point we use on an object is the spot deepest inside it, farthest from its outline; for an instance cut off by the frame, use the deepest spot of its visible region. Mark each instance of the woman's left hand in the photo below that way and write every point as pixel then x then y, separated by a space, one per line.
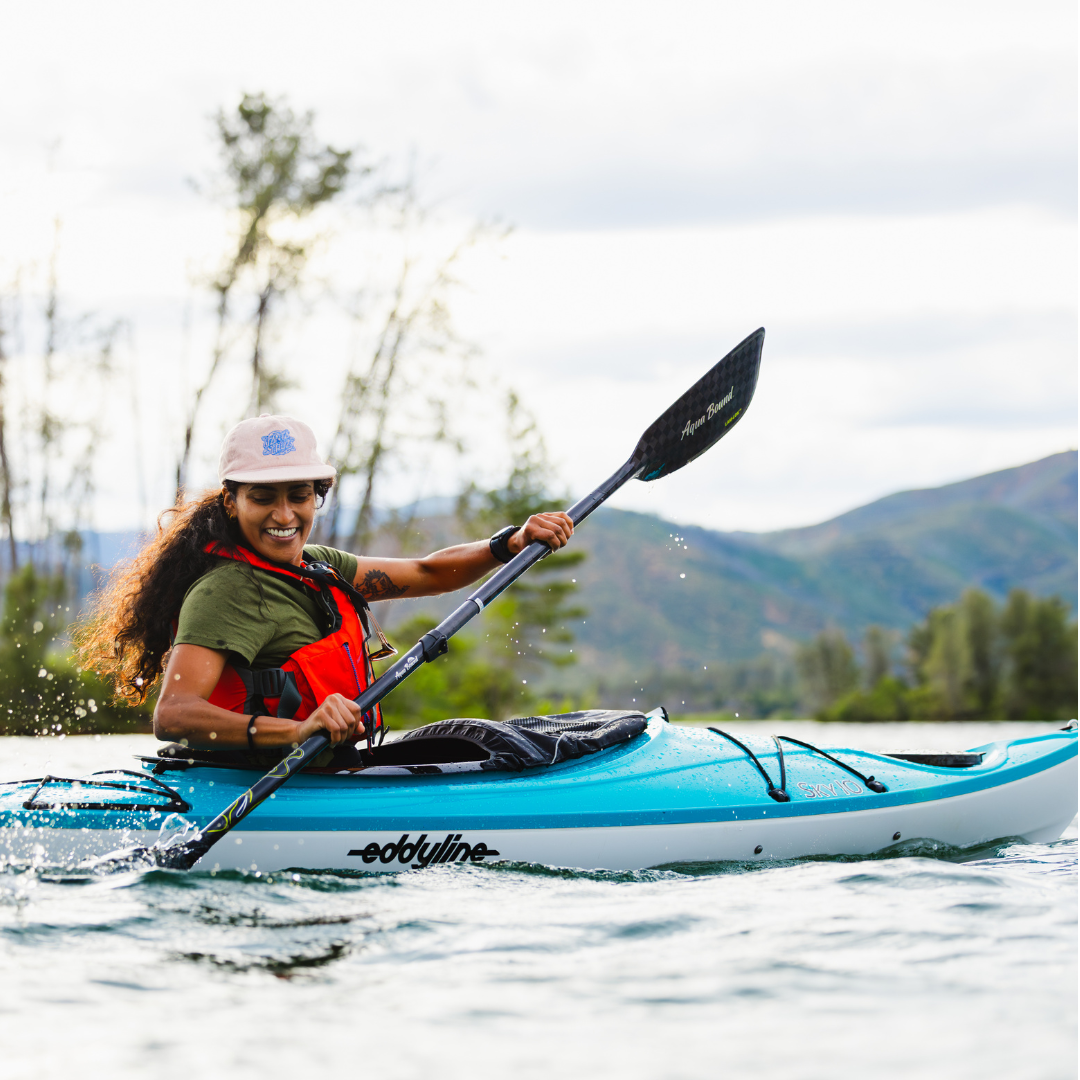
pixel 553 529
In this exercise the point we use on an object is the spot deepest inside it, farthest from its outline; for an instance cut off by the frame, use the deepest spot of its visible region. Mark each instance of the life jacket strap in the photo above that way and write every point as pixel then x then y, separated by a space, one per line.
pixel 325 573
pixel 271 683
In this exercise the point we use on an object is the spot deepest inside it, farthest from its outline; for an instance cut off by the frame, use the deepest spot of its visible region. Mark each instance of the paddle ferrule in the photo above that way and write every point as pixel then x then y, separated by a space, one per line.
pixel 434 645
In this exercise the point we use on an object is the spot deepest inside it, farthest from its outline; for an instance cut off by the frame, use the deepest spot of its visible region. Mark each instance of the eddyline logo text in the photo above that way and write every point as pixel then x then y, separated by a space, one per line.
pixel 423 852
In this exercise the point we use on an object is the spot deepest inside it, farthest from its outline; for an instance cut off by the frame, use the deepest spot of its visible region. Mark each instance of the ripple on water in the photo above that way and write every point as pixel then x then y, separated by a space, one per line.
pixel 811 967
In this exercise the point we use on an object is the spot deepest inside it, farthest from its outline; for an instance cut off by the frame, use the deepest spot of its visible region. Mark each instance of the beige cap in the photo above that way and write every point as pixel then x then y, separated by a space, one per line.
pixel 270 449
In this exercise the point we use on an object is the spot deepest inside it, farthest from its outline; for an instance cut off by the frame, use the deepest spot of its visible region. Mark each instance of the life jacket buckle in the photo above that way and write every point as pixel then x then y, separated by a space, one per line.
pixel 375 632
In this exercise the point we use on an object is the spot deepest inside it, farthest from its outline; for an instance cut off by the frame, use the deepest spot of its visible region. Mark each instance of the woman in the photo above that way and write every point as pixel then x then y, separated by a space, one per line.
pixel 267 641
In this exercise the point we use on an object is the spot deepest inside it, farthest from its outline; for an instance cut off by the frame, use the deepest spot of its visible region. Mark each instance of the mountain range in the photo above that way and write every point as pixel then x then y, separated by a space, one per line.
pixel 661 595
pixel 665 595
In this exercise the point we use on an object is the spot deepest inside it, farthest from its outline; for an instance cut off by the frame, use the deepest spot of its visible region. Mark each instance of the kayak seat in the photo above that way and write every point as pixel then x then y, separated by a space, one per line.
pixel 428 751
pixel 466 744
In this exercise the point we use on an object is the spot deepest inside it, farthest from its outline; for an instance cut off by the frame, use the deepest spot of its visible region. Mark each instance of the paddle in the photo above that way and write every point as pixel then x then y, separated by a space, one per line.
pixel 700 418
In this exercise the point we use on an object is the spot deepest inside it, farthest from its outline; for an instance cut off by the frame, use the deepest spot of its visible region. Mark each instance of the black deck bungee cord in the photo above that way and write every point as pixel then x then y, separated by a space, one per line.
pixel 780 756
pixel 777 793
pixel 869 781
pixel 176 802
pixel 780 793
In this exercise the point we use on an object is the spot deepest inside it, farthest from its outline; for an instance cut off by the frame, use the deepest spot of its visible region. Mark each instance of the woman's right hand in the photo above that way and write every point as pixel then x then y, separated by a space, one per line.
pixel 338 716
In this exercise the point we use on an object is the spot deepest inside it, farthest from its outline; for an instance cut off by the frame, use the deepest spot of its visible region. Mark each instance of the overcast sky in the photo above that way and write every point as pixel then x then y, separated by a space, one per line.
pixel 889 189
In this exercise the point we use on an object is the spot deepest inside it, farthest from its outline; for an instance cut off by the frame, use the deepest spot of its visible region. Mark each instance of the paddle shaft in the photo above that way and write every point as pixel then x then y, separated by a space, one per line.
pixel 428 648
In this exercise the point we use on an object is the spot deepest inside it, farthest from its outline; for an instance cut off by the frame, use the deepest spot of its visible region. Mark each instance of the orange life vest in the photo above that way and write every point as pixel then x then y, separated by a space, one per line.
pixel 338 663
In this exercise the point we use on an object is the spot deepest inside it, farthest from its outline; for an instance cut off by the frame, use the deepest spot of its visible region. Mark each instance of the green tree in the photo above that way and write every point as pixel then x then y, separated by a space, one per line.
pixel 1040 644
pixel 882 697
pixel 827 669
pixel 526 630
pixel 888 700
pixel 972 660
pixel 955 660
pixel 980 620
pixel 947 668
pixel 41 690
pixel 877 648
pixel 463 682
pixel 7 482
pixel 460 683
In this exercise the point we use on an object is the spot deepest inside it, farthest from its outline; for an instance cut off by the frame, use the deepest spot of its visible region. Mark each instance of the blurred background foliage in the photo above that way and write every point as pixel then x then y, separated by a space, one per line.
pixel 742 637
pixel 42 692
pixel 499 669
pixel 970 660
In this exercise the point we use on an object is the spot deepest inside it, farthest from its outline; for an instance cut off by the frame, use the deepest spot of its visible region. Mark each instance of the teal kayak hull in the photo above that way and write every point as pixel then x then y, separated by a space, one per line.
pixel 673 794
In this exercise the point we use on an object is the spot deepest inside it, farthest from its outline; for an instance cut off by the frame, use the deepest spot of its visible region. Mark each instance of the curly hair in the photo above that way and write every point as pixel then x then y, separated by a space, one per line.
pixel 128 630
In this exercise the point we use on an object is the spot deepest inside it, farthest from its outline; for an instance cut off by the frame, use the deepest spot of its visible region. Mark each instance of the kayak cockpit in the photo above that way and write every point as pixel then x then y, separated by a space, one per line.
pixel 937 759
pixel 449 746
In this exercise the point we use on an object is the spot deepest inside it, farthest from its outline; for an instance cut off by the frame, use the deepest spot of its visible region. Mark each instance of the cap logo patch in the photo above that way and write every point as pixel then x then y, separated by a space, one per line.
pixel 277 443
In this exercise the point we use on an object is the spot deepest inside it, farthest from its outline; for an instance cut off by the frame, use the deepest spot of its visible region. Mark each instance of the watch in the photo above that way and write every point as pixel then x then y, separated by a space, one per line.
pixel 499 543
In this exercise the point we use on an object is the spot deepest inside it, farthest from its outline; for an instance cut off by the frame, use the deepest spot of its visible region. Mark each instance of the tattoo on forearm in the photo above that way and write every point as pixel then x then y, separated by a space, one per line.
pixel 378 586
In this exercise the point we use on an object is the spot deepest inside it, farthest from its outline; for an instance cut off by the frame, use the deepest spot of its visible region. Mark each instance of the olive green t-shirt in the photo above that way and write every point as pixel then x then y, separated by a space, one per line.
pixel 258 617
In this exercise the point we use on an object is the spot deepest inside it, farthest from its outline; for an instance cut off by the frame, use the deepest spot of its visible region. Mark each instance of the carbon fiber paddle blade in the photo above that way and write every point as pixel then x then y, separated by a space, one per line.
pixel 704 414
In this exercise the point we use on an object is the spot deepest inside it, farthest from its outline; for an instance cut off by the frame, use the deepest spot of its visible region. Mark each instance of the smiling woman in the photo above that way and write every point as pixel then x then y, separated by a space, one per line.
pixel 265 640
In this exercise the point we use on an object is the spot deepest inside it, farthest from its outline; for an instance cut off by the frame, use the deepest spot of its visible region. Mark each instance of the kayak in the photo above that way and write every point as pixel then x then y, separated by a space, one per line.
pixel 597 790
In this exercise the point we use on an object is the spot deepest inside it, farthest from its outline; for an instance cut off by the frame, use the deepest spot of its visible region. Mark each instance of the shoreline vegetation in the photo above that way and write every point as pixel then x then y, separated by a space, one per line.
pixel 971 660
pixel 974 660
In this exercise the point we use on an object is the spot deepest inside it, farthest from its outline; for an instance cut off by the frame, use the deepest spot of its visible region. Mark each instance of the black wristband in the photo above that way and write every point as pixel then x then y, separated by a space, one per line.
pixel 498 543
pixel 251 730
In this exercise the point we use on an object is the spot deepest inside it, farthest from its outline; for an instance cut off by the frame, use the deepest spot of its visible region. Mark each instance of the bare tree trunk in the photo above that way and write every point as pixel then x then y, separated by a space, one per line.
pixel 355 396
pixel 363 527
pixel 136 430
pixel 80 489
pixel 258 376
pixel 5 467
pixel 49 428
pixel 215 362
pixel 377 392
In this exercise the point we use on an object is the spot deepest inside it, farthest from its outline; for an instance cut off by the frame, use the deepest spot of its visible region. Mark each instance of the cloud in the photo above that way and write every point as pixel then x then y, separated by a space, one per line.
pixel 608 117
pixel 866 131
pixel 636 194
pixel 916 338
pixel 928 334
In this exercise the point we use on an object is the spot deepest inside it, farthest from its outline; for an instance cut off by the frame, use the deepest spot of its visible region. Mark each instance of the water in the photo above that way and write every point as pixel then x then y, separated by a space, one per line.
pixel 934 963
